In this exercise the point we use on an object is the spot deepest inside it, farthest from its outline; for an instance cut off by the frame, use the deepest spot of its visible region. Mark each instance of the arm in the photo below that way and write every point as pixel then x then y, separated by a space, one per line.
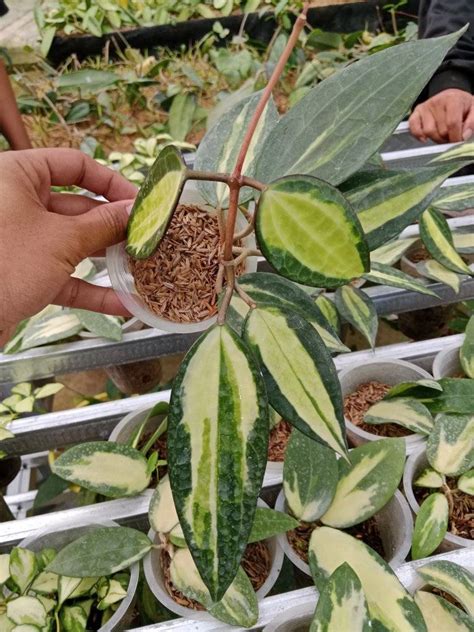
pixel 11 124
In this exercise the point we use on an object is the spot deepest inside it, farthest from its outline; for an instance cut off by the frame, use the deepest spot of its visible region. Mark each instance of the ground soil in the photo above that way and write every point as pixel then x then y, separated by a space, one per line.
pixel 461 517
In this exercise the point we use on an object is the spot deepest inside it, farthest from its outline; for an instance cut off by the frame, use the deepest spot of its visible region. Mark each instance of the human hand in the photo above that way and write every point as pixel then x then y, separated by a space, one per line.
pixel 446 117
pixel 45 235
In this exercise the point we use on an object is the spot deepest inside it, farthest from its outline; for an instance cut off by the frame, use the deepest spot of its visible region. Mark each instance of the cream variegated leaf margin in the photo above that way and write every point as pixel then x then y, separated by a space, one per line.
pixel 365 486
pixel 450 446
pixel 27 610
pixel 440 615
pixel 466 483
pixel 466 355
pixel 329 311
pixel 463 241
pixel 458 197
pixel 217 450
pixel 238 606
pixel 389 603
pixel 23 567
pixel 434 270
pixel 389 254
pixel 431 525
pixel 356 307
pixel 342 606
pixel 462 151
pixel 220 146
pixel 55 325
pixel 300 376
pixel 386 275
pixel 4 567
pixel 310 475
pixel 429 478
pixel 452 578
pixel 105 467
pixel 403 411
pixel 436 236
pixel 162 512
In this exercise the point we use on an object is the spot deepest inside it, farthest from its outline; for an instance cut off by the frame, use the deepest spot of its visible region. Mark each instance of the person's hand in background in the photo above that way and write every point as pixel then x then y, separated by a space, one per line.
pixel 45 235
pixel 447 117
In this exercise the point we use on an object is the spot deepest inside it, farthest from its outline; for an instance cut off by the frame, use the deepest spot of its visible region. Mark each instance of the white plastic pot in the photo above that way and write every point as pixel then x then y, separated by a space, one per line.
pixel 294 619
pixel 390 372
pixel 124 430
pixel 59 538
pixel 394 521
pixel 414 466
pixel 155 579
pixel 447 363
pixel 124 285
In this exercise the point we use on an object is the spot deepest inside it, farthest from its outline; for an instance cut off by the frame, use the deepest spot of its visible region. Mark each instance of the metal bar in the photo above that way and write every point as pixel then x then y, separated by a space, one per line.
pixel 417 152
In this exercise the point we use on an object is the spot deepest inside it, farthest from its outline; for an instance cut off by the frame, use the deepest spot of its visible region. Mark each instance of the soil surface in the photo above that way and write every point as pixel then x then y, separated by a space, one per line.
pixel 358 403
pixel 278 440
pixel 461 513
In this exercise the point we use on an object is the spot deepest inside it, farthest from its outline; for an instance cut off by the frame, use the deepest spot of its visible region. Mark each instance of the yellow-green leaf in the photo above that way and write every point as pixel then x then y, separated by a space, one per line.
pixel 431 525
pixel 452 578
pixel 466 483
pixel 356 307
pixel 450 446
pixel 390 253
pixel 436 236
pixel 434 270
pixel 466 355
pixel 403 411
pixel 440 615
pixel 386 275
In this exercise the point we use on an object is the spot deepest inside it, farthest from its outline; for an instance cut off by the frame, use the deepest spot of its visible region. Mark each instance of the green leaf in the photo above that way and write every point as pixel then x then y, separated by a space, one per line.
pixel 100 324
pixel 73 618
pixel 49 489
pixel 439 614
pixel 219 148
pixel 238 605
pixel 390 253
pixel 386 275
pixel 217 452
pixel 23 568
pixel 268 522
pixel 23 388
pixel 341 604
pixel 104 467
pixel 26 610
pixel 436 236
pixel 310 476
pixel 309 233
pixel 342 122
pixel 431 269
pixel 114 594
pixel 89 80
pixel 271 289
pixel 300 376
pixel 367 484
pixel 47 37
pixel 162 511
pixel 403 411
pixel 101 552
pixel 155 203
pixel 391 201
pixel 48 389
pixel 329 311
pixel 452 578
pixel 45 583
pixel 457 397
pixel 181 115
pixel 450 446
pixel 466 355
pixel 390 605
pixel 25 405
pixel 429 478
pixel 50 328
pixel 4 567
pixel 463 150
pixel 466 482
pixel 458 197
pixel 425 389
pixel 431 525
pixel 357 308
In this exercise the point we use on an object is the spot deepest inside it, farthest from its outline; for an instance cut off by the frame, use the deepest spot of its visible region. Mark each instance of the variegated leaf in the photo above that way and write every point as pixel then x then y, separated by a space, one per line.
pixel 342 122
pixel 392 252
pixel 162 512
pixel 403 411
pixel 342 606
pixel 271 289
pixel 386 275
pixel 432 269
pixel 236 314
pixel 4 567
pixel 238 605
pixel 356 307
pixel 73 617
pixel 463 240
pixel 100 324
pixel 45 583
pixel 299 373
pixel 450 446
pixel 310 475
pixel 219 148
pixel 390 605
pixel 395 200
pixel 27 610
pixel 309 233
pixel 329 311
pixel 50 328
pixel 436 236
pixel 217 452
pixel 461 151
pixel 23 568
pixel 421 389
pixel 431 525
pixel 176 537
pixel 367 484
pixel 466 482
pixel 452 578
pixel 268 522
pixel 458 197
pixel 155 203
pixel 466 355
pixel 105 467
pixel 429 478
pixel 456 396
pixel 440 615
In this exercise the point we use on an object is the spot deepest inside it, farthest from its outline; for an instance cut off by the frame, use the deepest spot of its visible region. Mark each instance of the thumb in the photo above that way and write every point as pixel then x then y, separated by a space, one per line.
pixel 468 127
pixel 103 226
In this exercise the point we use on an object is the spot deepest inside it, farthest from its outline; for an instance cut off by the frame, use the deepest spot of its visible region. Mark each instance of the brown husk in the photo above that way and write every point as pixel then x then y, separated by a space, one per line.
pixel 461 517
pixel 278 440
pixel 356 404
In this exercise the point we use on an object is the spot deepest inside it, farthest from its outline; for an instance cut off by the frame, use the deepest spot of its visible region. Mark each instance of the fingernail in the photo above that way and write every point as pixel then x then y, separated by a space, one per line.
pixel 467 134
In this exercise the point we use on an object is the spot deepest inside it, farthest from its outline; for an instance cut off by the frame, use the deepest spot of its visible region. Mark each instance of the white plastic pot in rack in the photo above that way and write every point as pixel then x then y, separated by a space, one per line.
pixel 447 363
pixel 59 538
pixel 415 464
pixel 294 619
pixel 124 285
pixel 395 524
pixel 155 579
pixel 389 372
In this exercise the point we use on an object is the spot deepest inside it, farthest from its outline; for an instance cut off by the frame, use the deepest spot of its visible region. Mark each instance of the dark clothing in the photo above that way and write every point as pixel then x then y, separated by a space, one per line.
pixel 3 8
pixel 439 17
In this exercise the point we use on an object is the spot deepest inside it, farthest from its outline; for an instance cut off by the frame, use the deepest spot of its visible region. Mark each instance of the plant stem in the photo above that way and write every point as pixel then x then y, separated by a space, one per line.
pixel 449 497
pixel 223 177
